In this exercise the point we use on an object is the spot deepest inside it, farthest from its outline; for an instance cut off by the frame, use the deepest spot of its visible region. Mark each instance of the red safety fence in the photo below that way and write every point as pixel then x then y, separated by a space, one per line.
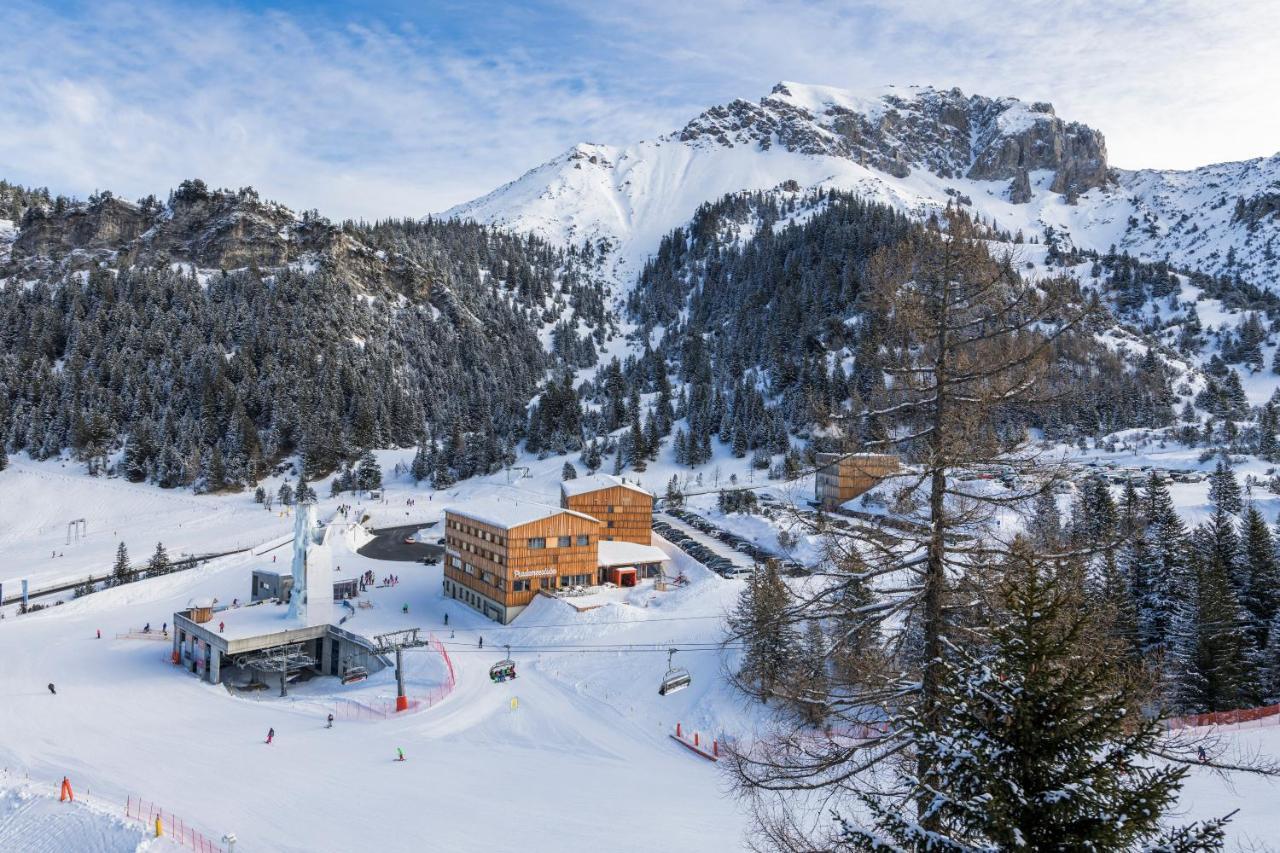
pixel 385 709
pixel 171 826
pixel 1222 718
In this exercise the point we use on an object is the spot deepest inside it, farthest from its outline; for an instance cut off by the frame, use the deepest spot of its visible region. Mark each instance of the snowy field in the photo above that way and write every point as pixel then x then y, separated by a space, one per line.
pixel 580 760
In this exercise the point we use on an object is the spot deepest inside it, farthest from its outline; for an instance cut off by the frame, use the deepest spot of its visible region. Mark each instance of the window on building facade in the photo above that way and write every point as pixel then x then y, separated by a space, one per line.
pixel 538 542
pixel 563 542
pixel 583 539
pixel 520 586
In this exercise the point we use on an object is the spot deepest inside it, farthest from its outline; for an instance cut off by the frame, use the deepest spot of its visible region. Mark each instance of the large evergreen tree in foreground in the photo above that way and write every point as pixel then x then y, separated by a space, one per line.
pixel 1040 746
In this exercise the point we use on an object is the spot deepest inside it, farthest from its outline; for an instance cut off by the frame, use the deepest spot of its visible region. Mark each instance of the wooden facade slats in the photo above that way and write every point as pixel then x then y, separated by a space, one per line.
pixel 842 477
pixel 626 515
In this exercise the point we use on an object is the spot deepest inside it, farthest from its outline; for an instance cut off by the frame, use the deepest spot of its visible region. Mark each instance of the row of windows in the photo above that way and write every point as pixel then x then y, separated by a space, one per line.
pixel 482 535
pixel 582 539
pixel 468 548
pixel 464 594
pixel 488 577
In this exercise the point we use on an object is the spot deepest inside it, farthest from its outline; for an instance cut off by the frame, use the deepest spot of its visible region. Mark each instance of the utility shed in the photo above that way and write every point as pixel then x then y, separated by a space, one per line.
pixel 842 477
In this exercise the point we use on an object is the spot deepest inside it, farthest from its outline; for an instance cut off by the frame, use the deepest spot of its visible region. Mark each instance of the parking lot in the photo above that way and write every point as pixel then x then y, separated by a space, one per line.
pixel 720 550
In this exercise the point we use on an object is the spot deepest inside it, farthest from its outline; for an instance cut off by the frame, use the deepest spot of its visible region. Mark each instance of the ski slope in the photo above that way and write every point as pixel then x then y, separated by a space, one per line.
pixel 588 733
pixel 582 760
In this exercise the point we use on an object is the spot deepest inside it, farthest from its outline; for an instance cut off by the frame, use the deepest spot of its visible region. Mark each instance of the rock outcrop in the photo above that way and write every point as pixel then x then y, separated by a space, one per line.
pixel 944 132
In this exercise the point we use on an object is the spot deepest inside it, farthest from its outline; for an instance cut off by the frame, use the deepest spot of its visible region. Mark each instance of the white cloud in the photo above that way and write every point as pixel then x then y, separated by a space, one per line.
pixel 377 117
pixel 1172 84
pixel 362 121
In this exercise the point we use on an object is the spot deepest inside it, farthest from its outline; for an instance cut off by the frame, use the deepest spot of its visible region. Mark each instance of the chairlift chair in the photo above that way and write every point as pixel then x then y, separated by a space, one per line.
pixel 503 670
pixel 354 674
pixel 676 679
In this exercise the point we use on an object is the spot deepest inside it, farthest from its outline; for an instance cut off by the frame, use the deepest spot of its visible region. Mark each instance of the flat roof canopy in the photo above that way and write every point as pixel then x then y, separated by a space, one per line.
pixel 628 554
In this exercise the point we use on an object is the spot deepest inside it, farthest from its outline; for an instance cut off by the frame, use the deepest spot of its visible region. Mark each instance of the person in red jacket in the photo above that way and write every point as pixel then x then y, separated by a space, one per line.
pixel 271 733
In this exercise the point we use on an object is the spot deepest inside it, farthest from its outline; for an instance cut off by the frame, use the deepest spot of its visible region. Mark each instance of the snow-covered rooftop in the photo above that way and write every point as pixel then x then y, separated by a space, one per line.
pixel 508 513
pixel 628 553
pixel 596 482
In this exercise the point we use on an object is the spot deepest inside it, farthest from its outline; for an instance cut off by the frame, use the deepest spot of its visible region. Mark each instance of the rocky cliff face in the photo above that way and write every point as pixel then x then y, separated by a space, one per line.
pixel 209 229
pixel 206 229
pixel 944 132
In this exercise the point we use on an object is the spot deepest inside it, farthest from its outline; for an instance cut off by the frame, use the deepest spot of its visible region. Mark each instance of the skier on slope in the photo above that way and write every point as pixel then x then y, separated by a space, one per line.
pixel 330 722
pixel 271 733
pixel 51 690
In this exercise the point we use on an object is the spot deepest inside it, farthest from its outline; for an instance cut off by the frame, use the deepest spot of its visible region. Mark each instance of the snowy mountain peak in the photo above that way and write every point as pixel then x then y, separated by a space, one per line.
pixel 917 148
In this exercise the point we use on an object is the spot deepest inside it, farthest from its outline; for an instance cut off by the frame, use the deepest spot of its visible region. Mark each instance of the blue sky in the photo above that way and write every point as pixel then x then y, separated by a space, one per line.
pixel 404 108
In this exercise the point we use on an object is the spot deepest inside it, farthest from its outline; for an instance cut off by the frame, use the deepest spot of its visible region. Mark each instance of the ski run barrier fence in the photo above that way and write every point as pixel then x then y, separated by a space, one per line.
pixel 170 825
pixel 1223 718
pixel 385 709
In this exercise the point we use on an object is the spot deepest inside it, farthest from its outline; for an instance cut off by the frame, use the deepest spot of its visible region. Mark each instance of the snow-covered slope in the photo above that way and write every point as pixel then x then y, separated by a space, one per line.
pixel 916 148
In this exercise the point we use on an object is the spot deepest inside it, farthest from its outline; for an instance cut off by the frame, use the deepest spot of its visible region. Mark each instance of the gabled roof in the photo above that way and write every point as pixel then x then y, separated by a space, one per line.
pixel 597 482
pixel 508 513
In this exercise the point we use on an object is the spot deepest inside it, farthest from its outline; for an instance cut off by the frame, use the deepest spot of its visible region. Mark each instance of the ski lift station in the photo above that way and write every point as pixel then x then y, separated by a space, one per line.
pixel 499 554
pixel 263 641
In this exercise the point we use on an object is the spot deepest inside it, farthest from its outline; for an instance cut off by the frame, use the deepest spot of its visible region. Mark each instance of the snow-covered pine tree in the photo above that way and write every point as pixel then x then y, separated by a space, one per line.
pixel 808 683
pixel 159 562
pixel 1167 573
pixel 1039 745
pixel 674 497
pixel 1045 526
pixel 285 496
pixel 1260 595
pixel 420 468
pixel 1214 672
pixel 304 494
pixel 368 472
pixel 120 573
pixel 592 457
pixel 259 495
pixel 568 472
pixel 1224 489
pixel 768 637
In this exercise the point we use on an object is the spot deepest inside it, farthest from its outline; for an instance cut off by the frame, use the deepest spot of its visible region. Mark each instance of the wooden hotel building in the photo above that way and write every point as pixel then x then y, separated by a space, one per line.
pixel 499 554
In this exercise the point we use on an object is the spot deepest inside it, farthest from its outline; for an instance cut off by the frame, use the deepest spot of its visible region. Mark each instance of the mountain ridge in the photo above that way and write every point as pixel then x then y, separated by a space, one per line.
pixel 1015 163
